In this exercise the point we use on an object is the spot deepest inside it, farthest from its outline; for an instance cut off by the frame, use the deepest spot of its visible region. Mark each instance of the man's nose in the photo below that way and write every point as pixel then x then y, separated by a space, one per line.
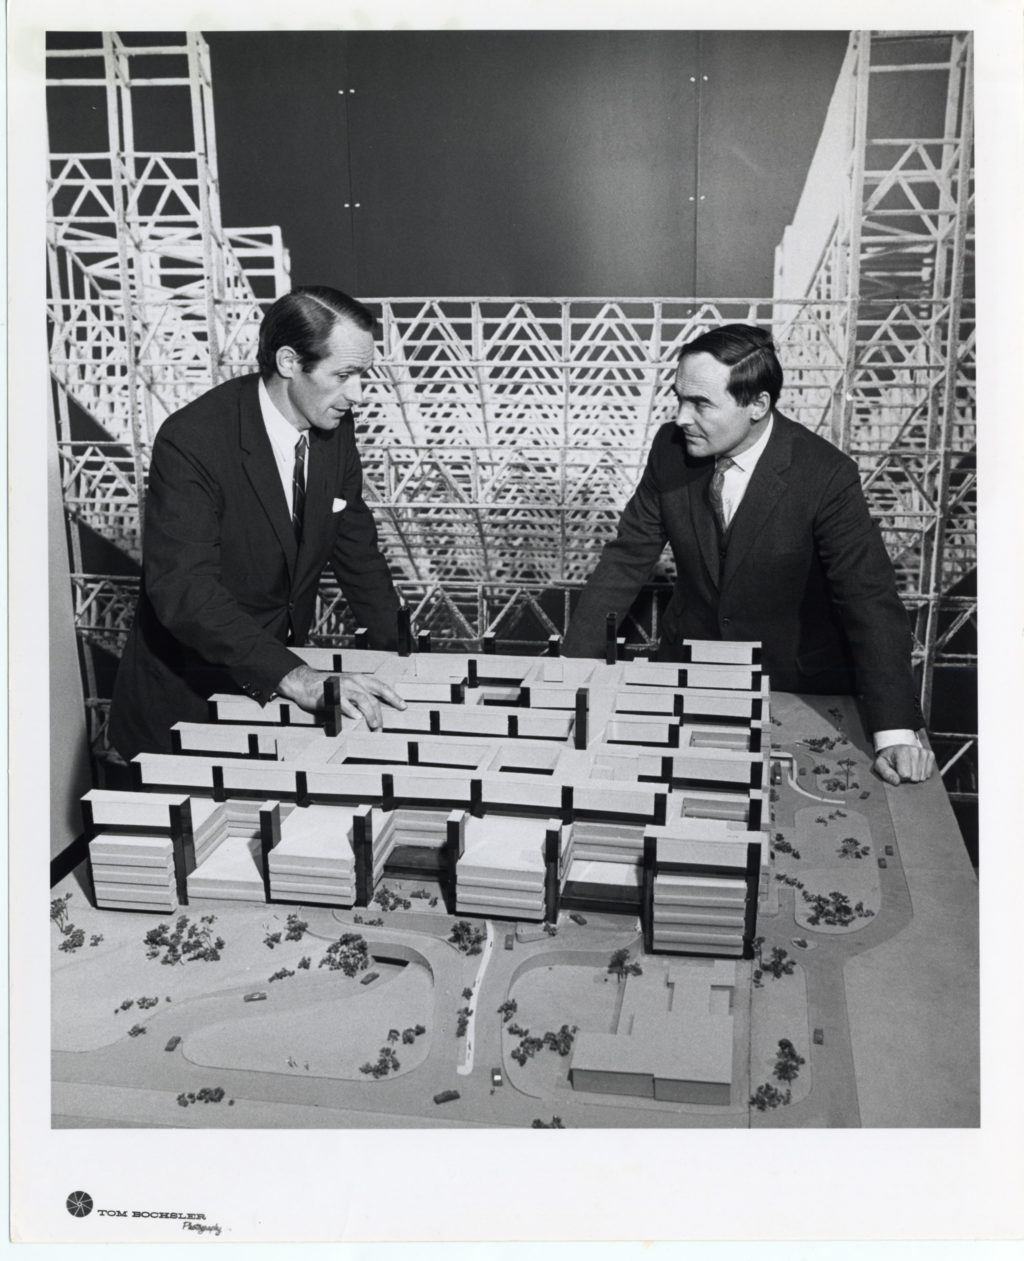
pixel 685 414
pixel 353 391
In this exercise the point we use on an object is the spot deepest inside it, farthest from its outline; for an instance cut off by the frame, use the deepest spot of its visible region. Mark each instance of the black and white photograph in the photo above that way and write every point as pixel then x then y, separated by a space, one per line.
pixel 515 502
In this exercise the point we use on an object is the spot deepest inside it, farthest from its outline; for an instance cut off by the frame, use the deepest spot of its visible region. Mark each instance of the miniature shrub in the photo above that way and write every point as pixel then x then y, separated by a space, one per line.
pixel 467 937
pixel 186 942
pixel 349 954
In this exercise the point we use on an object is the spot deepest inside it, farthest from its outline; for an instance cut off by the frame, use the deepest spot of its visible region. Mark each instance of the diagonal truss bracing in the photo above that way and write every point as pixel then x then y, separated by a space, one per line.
pixel 501 436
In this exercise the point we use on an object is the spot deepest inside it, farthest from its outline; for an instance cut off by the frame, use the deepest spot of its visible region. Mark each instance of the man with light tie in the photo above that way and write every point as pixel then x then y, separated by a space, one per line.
pixel 772 541
pixel 253 488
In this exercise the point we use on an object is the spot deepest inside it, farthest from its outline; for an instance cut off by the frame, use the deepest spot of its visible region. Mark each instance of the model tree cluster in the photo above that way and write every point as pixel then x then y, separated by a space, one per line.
pixel 188 942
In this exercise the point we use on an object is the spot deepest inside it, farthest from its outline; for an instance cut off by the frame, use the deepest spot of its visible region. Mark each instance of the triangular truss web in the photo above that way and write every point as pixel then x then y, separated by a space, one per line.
pixel 502 435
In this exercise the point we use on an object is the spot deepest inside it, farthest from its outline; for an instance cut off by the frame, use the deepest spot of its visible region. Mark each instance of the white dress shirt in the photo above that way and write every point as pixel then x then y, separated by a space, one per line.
pixel 734 487
pixel 283 436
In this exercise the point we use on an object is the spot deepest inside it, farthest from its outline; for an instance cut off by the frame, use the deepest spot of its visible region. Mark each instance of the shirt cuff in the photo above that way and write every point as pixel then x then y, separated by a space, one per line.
pixel 898 735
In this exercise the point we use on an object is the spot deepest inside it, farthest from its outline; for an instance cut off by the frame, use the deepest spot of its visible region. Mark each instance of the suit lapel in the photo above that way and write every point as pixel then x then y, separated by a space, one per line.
pixel 261 470
pixel 764 491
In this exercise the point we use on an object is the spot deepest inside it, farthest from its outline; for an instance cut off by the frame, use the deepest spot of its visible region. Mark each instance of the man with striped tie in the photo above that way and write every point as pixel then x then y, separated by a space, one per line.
pixel 254 488
pixel 772 541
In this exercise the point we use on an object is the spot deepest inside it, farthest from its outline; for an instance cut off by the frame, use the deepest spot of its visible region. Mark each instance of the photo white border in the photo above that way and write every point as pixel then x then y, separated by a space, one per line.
pixel 439 1185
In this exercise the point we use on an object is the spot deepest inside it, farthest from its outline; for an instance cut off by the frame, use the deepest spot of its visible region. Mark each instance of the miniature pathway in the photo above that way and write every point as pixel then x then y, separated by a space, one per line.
pixel 466 1067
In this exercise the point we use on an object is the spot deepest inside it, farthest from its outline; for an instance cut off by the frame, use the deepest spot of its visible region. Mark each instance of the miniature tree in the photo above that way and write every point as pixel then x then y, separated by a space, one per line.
pixel 508 1009
pixel 59 910
pixel 467 937
pixel 75 938
pixel 296 928
pixel 187 942
pixel 785 847
pixel 780 964
pixel 620 967
pixel 617 963
pixel 562 1040
pixel 349 954
pixel 787 1061
pixel 768 1096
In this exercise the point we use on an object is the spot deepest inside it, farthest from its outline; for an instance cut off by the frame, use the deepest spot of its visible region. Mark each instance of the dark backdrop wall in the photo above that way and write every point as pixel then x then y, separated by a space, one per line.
pixel 571 163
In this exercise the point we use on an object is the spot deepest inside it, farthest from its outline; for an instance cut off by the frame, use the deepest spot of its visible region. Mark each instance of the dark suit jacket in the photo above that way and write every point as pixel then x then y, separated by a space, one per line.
pixel 223 578
pixel 805 571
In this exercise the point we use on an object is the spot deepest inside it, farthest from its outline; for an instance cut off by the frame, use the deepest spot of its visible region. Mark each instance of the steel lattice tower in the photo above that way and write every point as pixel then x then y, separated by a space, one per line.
pixel 502 435
pixel 150 299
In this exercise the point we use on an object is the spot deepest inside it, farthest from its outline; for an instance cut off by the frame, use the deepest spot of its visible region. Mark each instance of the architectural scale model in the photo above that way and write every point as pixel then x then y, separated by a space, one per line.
pixel 519 784
pixel 549 892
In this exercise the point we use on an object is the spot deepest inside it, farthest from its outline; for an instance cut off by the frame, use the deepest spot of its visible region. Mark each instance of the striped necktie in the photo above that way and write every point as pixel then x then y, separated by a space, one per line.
pixel 299 487
pixel 715 491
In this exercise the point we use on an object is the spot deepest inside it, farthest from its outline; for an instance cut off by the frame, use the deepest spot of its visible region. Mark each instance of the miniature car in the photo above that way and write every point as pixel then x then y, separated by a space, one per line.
pixel 889 850
pixel 255 997
pixel 819 1037
pixel 370 976
pixel 508 941
pixel 882 863
pixel 496 1077
pixel 173 1043
pixel 446 1096
pixel 577 918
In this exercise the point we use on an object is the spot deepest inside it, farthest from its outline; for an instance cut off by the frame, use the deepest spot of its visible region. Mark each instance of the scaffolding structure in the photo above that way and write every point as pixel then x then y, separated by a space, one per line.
pixel 150 300
pixel 502 436
pixel 883 239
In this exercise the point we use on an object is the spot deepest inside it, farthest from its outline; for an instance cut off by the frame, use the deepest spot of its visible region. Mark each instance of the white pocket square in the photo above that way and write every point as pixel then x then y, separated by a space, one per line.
pixel 339 505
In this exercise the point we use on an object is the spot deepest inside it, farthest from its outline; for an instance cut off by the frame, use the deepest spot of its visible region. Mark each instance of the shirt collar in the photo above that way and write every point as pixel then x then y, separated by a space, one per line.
pixel 746 460
pixel 281 432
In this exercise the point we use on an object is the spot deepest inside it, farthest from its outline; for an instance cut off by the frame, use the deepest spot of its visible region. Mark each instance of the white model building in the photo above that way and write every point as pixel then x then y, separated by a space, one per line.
pixel 521 784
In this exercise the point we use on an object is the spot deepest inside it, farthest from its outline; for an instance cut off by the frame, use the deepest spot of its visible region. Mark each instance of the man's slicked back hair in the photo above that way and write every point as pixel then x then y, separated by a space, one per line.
pixel 304 320
pixel 750 354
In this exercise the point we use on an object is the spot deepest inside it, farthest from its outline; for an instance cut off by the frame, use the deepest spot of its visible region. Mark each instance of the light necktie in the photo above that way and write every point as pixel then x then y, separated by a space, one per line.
pixel 299 487
pixel 715 491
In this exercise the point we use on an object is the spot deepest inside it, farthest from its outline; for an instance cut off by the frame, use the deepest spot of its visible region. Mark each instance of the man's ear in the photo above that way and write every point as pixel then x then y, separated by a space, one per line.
pixel 287 362
pixel 760 407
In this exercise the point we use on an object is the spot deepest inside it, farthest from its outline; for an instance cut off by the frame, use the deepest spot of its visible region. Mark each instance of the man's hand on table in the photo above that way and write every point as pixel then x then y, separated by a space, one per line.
pixel 360 693
pixel 904 763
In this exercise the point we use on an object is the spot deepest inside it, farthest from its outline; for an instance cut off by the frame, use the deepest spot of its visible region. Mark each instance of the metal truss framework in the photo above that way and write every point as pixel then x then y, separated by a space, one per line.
pixel 502 436
pixel 895 268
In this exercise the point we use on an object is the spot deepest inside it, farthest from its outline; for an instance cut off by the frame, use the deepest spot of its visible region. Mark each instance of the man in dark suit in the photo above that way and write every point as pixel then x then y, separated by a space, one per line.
pixel 772 541
pixel 253 488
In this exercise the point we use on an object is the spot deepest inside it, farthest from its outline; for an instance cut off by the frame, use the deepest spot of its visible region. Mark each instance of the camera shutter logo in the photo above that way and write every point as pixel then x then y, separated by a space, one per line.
pixel 79 1203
